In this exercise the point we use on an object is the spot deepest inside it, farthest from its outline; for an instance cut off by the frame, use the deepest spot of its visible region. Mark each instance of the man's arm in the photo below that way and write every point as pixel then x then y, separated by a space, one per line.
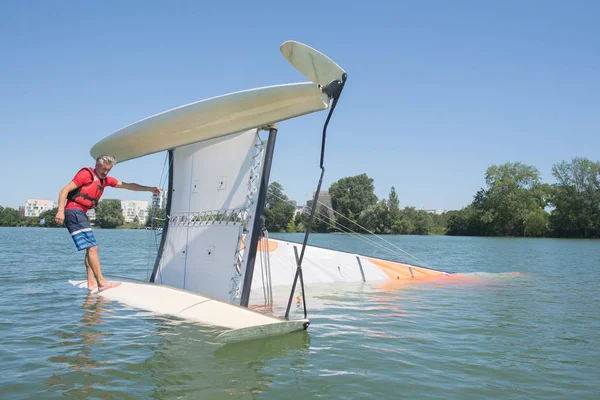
pixel 62 199
pixel 137 188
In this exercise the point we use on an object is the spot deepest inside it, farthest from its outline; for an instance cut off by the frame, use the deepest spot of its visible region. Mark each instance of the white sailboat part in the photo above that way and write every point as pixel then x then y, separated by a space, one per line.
pixel 219 170
pixel 311 63
pixel 261 331
pixel 326 266
pixel 212 118
pixel 243 322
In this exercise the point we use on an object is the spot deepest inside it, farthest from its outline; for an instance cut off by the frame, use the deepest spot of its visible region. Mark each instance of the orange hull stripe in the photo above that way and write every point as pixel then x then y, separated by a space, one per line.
pixel 273 245
pixel 396 271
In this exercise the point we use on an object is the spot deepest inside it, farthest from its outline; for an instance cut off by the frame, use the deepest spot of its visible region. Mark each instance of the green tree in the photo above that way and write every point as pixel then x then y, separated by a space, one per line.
pixel 410 216
pixel 109 214
pixel 301 219
pixel 423 223
pixel 397 225
pixel 376 218
pixel 30 221
pixel 537 223
pixel 440 221
pixel 402 226
pixel 514 192
pixel 394 204
pixel 291 226
pixel 321 222
pixel 278 212
pixel 325 223
pixel 576 198
pixel 300 227
pixel 49 218
pixel 155 217
pixel 10 217
pixel 459 222
pixel 350 196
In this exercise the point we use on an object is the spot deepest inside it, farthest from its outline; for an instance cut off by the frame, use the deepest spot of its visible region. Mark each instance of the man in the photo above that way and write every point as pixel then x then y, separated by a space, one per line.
pixel 75 199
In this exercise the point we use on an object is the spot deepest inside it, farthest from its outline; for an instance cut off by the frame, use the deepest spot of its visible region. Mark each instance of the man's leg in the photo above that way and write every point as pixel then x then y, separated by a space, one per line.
pixel 94 262
pixel 91 279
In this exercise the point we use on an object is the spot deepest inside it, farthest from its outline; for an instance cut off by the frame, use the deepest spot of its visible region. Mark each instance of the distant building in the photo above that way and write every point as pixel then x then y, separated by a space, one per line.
pixel 438 211
pixel 91 214
pixel 299 209
pixel 324 198
pixel 130 210
pixel 34 207
pixel 159 200
pixel 134 208
pixel 21 211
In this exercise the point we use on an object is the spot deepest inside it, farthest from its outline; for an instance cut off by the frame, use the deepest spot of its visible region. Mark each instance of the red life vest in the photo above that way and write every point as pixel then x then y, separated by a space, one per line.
pixel 88 195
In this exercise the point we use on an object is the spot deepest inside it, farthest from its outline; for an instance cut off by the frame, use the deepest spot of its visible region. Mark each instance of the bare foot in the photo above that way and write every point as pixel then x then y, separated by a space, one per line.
pixel 108 285
pixel 93 287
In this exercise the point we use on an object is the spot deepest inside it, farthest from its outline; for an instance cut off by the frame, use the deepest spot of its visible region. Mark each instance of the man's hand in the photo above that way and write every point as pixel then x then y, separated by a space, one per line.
pixel 155 190
pixel 60 217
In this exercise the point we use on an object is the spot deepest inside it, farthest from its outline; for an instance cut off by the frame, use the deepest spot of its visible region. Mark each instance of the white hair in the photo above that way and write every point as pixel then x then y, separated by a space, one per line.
pixel 106 159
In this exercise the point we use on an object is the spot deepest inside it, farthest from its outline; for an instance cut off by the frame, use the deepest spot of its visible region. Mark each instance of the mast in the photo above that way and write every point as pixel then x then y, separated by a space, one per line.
pixel 163 237
pixel 257 223
pixel 333 90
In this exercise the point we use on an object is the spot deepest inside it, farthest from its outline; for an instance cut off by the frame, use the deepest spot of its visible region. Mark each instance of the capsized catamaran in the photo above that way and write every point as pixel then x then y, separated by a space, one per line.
pixel 218 175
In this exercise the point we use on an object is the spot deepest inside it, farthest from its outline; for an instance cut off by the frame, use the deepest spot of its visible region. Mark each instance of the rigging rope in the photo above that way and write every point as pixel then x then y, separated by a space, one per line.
pixel 357 235
pixel 377 236
pixel 161 184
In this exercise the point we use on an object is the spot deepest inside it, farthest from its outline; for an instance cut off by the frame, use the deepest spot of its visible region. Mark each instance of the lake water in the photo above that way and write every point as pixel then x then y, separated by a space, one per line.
pixel 532 335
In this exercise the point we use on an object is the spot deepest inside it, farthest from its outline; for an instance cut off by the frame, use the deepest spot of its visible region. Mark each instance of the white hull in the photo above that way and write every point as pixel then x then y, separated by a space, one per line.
pixel 244 323
pixel 212 118
pixel 320 266
pixel 311 63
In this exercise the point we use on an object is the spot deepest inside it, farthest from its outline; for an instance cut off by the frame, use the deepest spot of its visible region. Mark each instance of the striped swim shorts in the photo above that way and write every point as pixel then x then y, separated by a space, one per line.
pixel 79 227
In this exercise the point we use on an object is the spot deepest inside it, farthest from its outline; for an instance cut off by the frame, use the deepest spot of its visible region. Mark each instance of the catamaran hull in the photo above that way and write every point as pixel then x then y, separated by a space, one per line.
pixel 320 266
pixel 243 323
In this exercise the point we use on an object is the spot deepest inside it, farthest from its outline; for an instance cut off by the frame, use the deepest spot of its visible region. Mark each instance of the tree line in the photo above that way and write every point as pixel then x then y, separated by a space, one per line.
pixel 109 215
pixel 355 208
pixel 515 202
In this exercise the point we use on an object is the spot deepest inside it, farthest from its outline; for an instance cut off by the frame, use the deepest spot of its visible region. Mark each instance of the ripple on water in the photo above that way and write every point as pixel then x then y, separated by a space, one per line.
pixel 497 335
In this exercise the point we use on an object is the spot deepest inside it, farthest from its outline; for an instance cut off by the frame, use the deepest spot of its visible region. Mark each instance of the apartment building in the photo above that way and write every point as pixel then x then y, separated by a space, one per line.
pixel 159 200
pixel 34 207
pixel 134 208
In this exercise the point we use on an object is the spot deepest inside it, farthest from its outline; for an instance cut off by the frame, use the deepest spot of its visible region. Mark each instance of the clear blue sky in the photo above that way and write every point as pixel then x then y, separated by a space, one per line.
pixel 437 91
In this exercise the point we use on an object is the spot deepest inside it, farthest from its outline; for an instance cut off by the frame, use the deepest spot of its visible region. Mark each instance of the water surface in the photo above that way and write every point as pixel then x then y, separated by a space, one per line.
pixel 533 335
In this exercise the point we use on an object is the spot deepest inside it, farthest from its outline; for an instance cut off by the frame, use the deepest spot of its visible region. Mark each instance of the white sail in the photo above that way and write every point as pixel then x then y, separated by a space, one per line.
pixel 213 201
pixel 321 265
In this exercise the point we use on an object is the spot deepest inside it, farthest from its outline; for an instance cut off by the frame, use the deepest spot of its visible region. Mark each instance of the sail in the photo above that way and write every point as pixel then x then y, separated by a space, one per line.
pixel 212 205
pixel 322 265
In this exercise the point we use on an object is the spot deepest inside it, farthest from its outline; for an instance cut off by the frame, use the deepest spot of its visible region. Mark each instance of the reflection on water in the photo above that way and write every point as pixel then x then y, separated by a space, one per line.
pixel 294 344
pixel 182 360
pixel 78 378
